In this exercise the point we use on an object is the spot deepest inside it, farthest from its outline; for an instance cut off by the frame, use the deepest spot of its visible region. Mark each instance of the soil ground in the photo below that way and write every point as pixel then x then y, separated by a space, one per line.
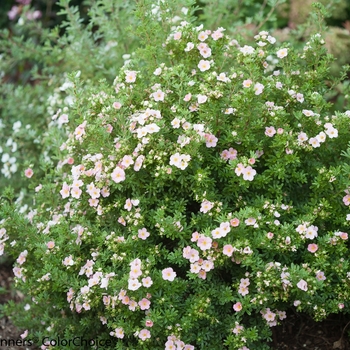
pixel 298 332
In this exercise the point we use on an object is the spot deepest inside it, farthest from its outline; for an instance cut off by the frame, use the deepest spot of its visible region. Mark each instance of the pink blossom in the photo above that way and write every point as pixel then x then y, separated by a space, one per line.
pixel 234 222
pixel 239 169
pixel 130 76
pixel 206 206
pixel 237 307
pixel 119 333
pixel 243 290
pixel 76 192
pixel 147 282
pixel 65 190
pixel 186 99
pixel 320 276
pixel 203 65
pixel 50 244
pixel 218 34
pixel 158 95
pixel 202 36
pixel 15 10
pixel 204 242
pixel 177 35
pixel 144 334
pixel 133 284
pixel 144 304
pixel 228 250
pixel 238 329
pixel 24 334
pixel 149 323
pixel 117 105
pixel 202 99
pixel 205 51
pixel 28 173
pixel 195 236
pixel 282 53
pixel 247 83
pixel 168 274
pixel 211 140
pixel 302 285
pixel 270 131
pixel 202 274
pixel 312 248
pixel 346 199
pixel 343 235
pixel 118 175
pixel 248 173
pixel 143 233
pixel 258 88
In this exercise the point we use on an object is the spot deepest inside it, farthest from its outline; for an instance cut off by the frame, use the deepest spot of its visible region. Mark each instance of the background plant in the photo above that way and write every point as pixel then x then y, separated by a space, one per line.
pixel 197 198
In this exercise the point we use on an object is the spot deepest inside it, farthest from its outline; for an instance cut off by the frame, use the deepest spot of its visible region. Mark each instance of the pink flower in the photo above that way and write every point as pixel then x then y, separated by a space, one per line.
pixel 143 233
pixel 206 206
pixel 247 83
pixel 65 190
pixel 346 199
pixel 15 10
pixel 50 244
pixel 312 248
pixel 234 222
pixel 320 276
pixel 177 36
pixel 237 307
pixel 258 88
pixel 158 95
pixel 248 173
pixel 302 285
pixel 28 173
pixel 118 175
pixel 24 334
pixel 202 36
pixel 186 99
pixel 195 237
pixel 204 242
pixel 203 65
pixel 144 304
pixel 270 131
pixel 147 282
pixel 269 316
pixel 202 98
pixel 117 105
pixel 168 274
pixel 218 34
pixel 282 53
pixel 343 235
pixel 76 192
pixel 119 333
pixel 144 334
pixel 211 140
pixel 239 169
pixel 228 250
pixel 243 290
pixel 127 161
pixel 149 323
pixel 238 329
pixel 130 76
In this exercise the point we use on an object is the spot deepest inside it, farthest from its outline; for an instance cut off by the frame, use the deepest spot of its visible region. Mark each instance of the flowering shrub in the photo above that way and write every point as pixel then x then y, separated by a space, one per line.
pixel 195 203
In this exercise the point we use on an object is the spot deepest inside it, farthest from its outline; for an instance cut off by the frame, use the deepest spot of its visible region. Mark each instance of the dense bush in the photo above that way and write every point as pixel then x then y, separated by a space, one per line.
pixel 196 199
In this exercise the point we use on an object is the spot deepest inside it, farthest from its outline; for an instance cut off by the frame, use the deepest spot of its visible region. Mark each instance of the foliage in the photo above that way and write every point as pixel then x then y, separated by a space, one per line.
pixel 196 199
